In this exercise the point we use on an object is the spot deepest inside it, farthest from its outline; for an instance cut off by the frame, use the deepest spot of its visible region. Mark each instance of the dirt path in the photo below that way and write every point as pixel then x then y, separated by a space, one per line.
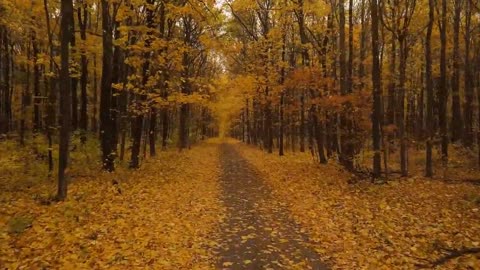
pixel 258 233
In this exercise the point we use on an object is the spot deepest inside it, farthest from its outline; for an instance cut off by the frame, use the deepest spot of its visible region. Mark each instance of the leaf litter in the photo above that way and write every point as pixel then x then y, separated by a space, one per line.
pixel 158 217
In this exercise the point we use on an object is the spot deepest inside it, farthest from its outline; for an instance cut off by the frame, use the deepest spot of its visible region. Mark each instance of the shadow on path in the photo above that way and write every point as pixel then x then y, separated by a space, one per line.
pixel 258 232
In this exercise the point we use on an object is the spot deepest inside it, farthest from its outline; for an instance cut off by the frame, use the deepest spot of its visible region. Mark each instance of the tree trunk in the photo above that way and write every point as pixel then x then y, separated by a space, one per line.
pixel 165 121
pixel 343 50
pixel 377 90
pixel 26 95
pixel 6 113
pixel 363 41
pixel 107 125
pixel 457 120
pixel 184 122
pixel 37 100
pixel 401 106
pixel 66 27
pixel 84 68
pixel 468 79
pixel 94 123
pixel 74 82
pixel 350 46
pixel 151 133
pixel 247 115
pixel 302 122
pixel 443 91
pixel 392 120
pixel 52 94
pixel 281 128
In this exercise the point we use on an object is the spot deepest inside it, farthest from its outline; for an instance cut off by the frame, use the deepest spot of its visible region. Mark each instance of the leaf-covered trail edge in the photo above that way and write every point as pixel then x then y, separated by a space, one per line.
pixel 160 217
pixel 404 224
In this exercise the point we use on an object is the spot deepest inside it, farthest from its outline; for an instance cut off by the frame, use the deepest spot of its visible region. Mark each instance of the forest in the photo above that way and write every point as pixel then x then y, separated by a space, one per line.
pixel 239 134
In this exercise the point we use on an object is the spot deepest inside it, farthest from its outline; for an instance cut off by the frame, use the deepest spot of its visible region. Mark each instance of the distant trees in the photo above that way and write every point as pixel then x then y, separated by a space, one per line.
pixel 154 80
pixel 424 101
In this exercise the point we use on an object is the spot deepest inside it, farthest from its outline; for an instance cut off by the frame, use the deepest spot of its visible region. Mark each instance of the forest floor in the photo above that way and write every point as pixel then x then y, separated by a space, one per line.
pixel 227 205
pixel 158 217
pixel 406 223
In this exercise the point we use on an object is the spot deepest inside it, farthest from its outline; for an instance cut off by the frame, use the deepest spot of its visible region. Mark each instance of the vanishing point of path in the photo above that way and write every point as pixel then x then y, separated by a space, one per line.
pixel 258 232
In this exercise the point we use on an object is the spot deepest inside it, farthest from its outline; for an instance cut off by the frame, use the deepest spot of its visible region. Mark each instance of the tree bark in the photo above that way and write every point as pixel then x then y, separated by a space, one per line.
pixel 457 119
pixel 401 105
pixel 84 67
pixel 107 124
pixel 52 94
pixel 74 83
pixel 377 88
pixel 66 27
pixel 468 79
pixel 442 88
pixel 151 133
pixel 429 90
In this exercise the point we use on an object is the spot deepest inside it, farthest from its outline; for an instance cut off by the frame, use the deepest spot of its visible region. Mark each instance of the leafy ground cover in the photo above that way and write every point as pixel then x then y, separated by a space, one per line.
pixel 402 224
pixel 159 216
pixel 169 214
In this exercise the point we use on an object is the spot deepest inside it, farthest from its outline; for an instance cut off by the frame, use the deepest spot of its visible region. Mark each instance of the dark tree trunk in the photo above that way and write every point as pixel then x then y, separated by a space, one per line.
pixel 84 68
pixel 268 126
pixel 346 151
pixel 302 122
pixel 137 130
pixel 66 31
pixel 247 115
pixel 74 82
pixel 457 119
pixel 468 79
pixel 318 130
pixel 391 108
pixel 342 48
pixel 442 88
pixel 185 87
pixel 377 90
pixel 152 133
pixel 350 46
pixel 2 86
pixel 281 128
pixel 6 113
pixel 401 107
pixel 165 121
pixel 363 41
pixel 107 123
pixel 183 126
pixel 146 129
pixel 94 123
pixel 242 116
